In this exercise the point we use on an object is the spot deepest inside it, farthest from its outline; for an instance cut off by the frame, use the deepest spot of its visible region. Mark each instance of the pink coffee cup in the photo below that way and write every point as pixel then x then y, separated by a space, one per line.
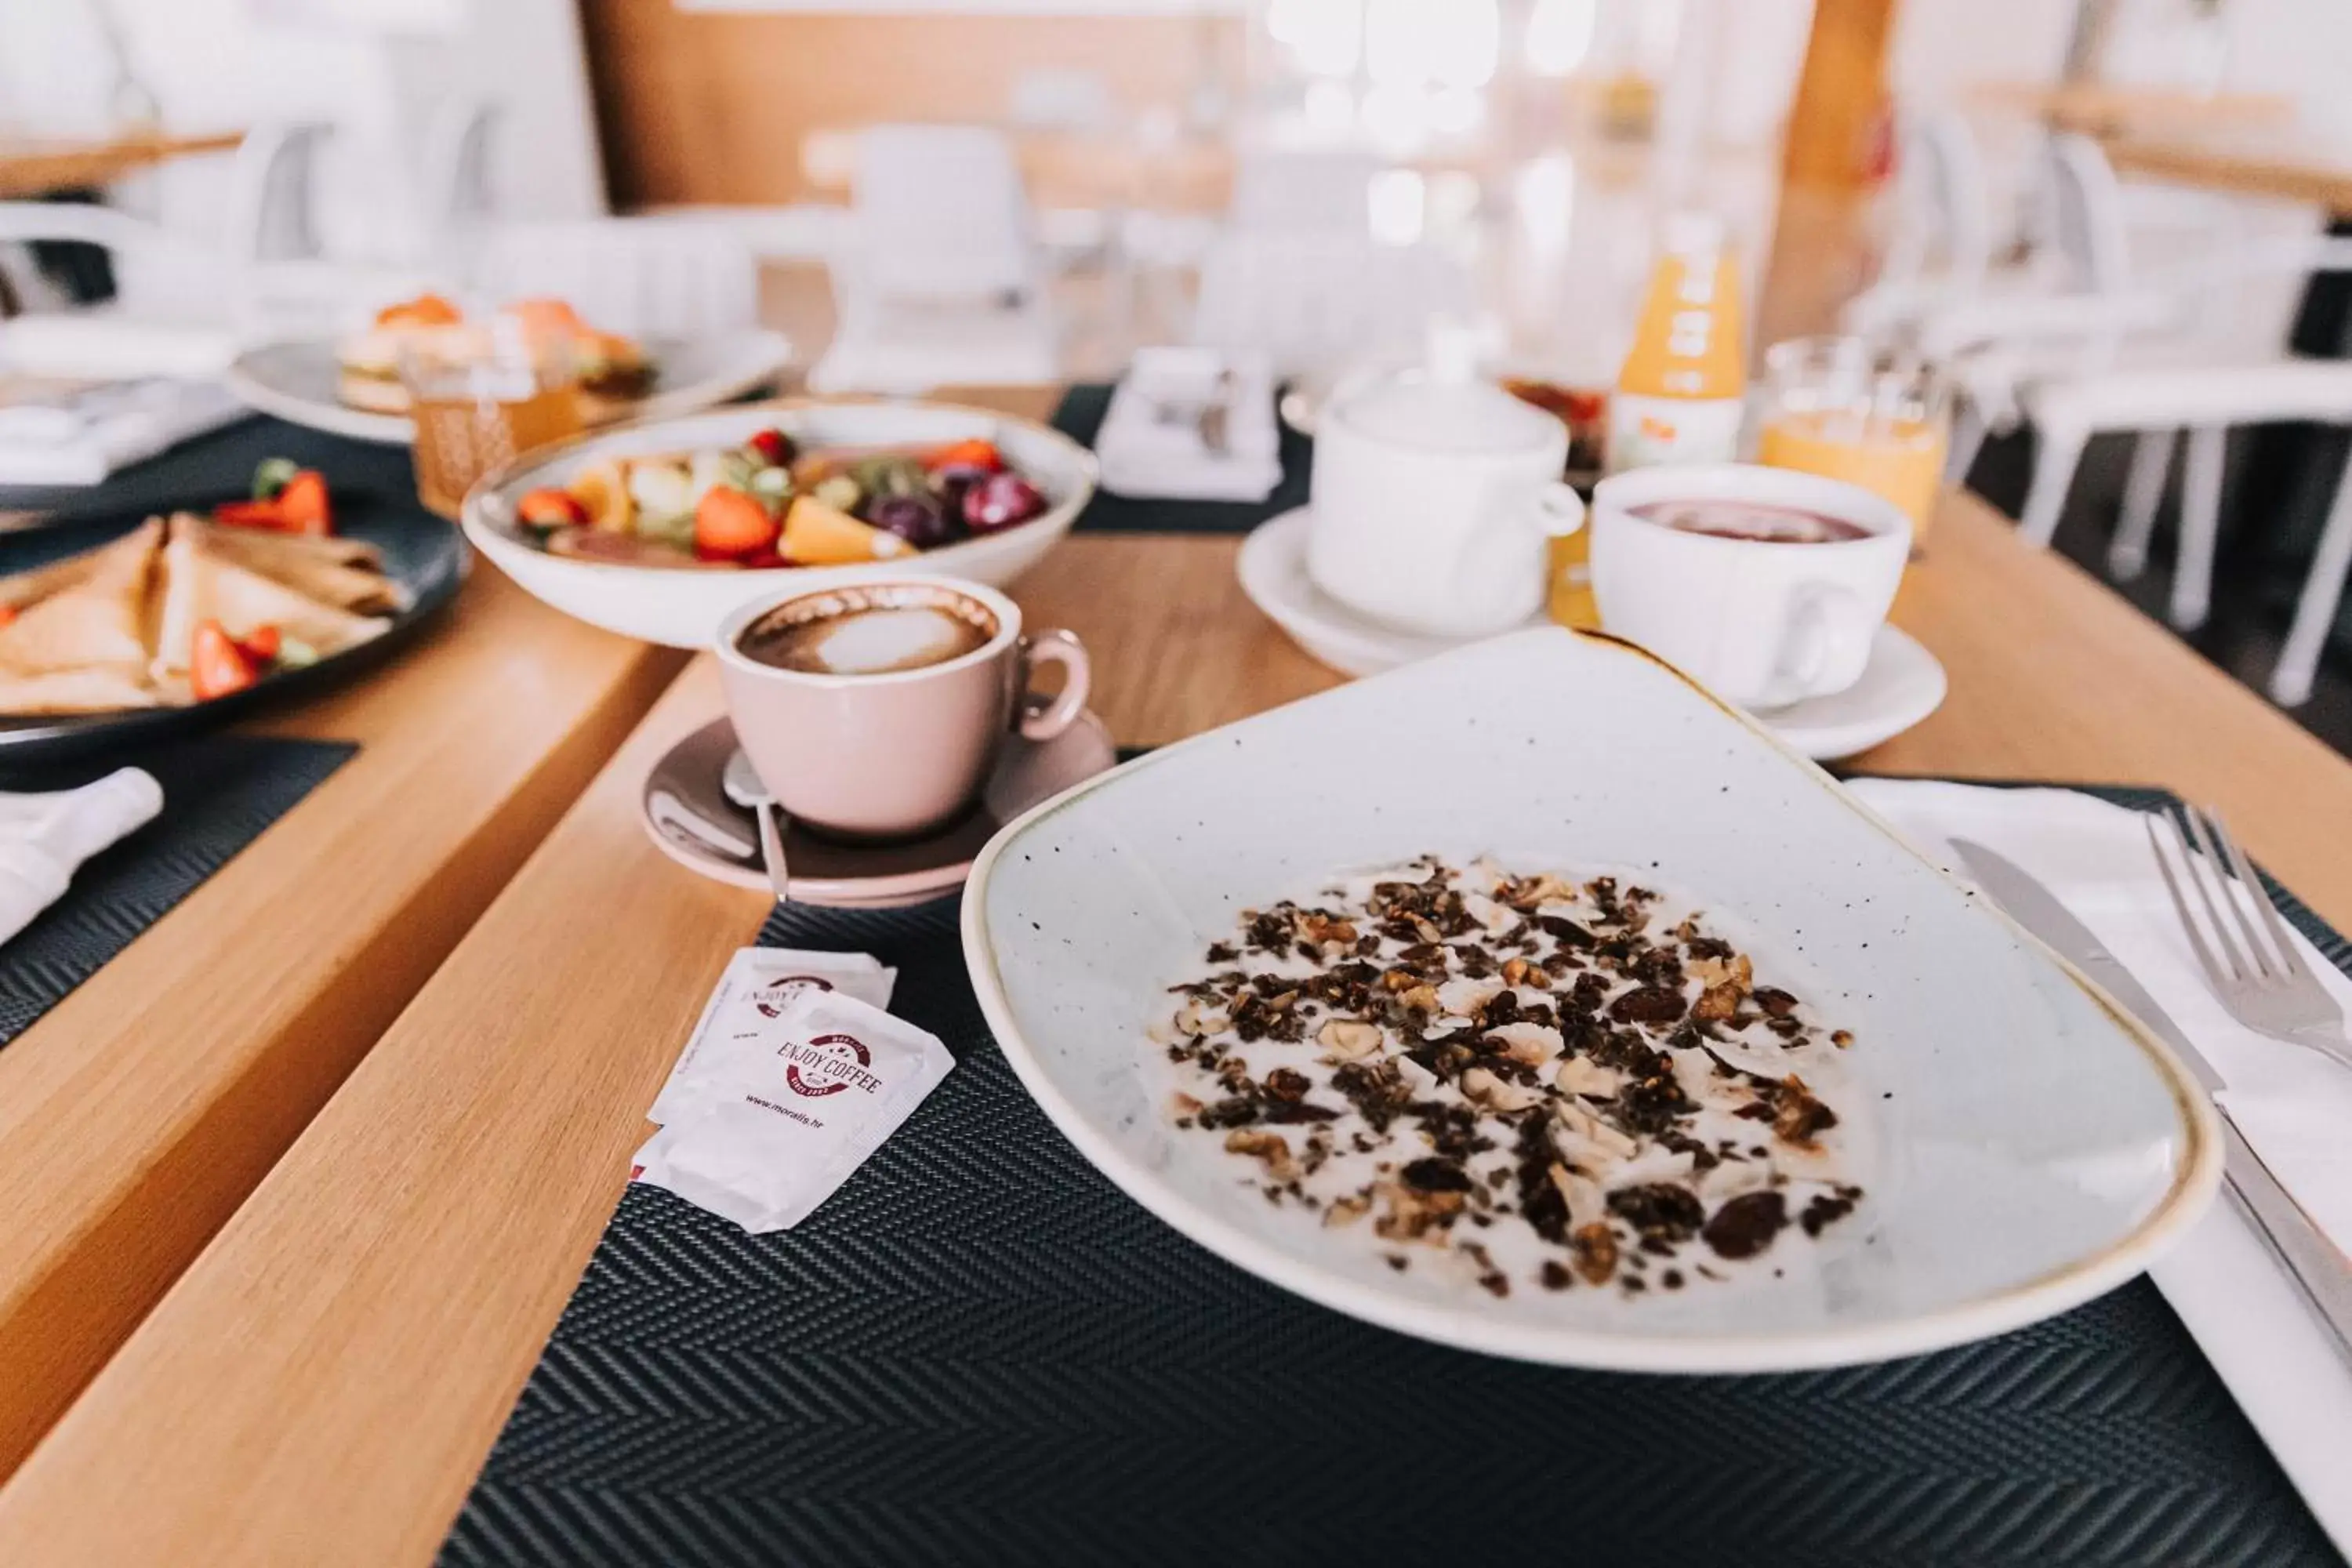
pixel 893 752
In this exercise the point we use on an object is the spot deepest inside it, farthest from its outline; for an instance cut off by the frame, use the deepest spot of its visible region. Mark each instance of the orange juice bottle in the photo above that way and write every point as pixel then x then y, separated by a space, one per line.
pixel 1678 399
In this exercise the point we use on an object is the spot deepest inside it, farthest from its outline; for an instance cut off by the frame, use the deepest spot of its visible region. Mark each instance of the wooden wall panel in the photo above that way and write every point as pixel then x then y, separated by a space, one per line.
pixel 1841 97
pixel 713 106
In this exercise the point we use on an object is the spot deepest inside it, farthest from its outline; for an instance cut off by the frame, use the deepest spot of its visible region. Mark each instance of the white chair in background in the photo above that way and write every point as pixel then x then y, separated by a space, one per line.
pixel 647 277
pixel 192 335
pixel 941 283
pixel 2191 345
pixel 2103 311
pixel 1941 249
pixel 1284 190
pixel 1314 300
pixel 2206 400
pixel 456 198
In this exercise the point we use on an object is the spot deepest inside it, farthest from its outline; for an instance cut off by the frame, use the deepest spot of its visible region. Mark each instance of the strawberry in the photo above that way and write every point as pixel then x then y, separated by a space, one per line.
pixel 729 525
pixel 261 644
pixel 216 665
pixel 772 448
pixel 302 504
pixel 249 514
pixel 550 507
pixel 973 453
pixel 763 561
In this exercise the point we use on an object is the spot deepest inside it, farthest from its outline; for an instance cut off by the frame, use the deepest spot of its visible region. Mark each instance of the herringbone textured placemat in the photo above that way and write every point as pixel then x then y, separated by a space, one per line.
pixel 980 1352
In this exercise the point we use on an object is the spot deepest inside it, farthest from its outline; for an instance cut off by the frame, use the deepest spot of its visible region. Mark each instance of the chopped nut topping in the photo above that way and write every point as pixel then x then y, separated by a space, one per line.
pixel 1347 1040
pixel 1483 1088
pixel 1271 1148
pixel 1196 1019
pixel 1594 1250
pixel 1553 1080
pixel 1582 1075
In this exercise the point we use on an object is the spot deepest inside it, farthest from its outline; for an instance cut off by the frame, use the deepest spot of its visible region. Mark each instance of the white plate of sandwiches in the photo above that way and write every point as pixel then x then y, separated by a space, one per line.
pixel 115 629
pixel 1531 1000
pixel 350 385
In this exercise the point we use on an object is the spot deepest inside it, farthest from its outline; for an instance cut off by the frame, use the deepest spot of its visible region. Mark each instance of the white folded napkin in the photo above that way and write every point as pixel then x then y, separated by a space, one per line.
pixel 2294 1105
pixel 76 433
pixel 43 837
pixel 100 342
pixel 1150 444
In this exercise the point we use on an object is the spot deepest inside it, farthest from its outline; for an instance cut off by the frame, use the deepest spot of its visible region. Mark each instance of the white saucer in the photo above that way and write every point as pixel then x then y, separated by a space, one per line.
pixel 1273 574
pixel 1902 685
pixel 686 812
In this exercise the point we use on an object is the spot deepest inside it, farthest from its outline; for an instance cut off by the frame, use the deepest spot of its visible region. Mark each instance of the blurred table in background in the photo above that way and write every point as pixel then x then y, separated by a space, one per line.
pixel 2290 162
pixel 2105 109
pixel 1108 169
pixel 38 166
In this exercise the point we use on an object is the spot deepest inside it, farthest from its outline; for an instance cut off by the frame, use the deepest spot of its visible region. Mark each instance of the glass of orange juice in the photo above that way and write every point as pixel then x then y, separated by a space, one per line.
pixel 479 395
pixel 1833 407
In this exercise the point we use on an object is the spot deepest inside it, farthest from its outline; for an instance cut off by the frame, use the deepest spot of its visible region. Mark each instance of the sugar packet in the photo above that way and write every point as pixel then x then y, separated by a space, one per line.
pixel 781 1116
pixel 759 984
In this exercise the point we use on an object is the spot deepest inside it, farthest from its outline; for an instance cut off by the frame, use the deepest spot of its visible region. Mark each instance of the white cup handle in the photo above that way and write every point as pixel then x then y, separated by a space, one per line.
pixel 1560 511
pixel 1820 616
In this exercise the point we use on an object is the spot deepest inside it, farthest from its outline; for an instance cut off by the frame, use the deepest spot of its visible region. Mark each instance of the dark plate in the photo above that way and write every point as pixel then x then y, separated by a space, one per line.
pixel 421 551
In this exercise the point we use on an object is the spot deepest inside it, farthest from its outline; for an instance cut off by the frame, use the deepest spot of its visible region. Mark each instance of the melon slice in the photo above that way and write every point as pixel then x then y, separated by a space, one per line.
pixel 818 536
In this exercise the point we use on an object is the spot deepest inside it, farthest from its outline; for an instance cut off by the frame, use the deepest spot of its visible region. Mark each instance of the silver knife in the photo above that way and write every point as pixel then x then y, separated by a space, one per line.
pixel 2315 1264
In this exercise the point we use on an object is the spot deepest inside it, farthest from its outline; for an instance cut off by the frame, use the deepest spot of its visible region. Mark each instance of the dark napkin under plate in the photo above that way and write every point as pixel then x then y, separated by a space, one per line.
pixel 221 462
pixel 219 792
pixel 1080 417
pixel 981 1351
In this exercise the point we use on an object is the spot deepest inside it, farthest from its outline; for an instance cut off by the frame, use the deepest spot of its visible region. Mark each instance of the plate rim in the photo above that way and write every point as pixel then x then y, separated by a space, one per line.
pixel 44 739
pixel 399 430
pixel 2196 1179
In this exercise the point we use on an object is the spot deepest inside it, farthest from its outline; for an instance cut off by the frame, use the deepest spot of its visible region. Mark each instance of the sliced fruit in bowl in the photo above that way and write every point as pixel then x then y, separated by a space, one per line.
pixel 815 534
pixel 677 521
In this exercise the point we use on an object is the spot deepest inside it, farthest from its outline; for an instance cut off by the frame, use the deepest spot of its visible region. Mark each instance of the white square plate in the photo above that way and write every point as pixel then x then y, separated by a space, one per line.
pixel 2026 1146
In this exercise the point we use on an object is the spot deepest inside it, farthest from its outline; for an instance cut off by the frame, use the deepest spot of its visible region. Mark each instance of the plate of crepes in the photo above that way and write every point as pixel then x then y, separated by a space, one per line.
pixel 127 627
pixel 657 530
pixel 351 387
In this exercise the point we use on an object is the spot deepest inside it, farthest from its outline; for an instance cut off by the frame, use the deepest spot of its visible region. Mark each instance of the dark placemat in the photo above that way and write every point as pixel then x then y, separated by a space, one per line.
pixel 1080 417
pixel 219 792
pixel 221 462
pixel 980 1352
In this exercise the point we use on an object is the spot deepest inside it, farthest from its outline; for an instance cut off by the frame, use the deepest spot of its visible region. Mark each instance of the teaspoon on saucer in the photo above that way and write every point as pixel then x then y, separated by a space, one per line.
pixel 742 785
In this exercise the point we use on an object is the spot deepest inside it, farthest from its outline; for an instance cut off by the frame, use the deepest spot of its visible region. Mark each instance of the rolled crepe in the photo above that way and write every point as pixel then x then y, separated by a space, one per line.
pixel 87 691
pixel 254 545
pixel 98 622
pixel 199 585
pixel 332 577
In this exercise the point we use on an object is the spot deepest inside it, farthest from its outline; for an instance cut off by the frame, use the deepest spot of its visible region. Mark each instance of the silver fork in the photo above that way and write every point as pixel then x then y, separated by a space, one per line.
pixel 2251 963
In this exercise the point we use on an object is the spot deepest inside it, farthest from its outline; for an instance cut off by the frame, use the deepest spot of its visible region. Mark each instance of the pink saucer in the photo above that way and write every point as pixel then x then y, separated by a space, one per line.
pixel 692 821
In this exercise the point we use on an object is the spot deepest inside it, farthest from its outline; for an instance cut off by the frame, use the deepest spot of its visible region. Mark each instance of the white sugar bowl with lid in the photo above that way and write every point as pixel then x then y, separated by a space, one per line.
pixel 1434 497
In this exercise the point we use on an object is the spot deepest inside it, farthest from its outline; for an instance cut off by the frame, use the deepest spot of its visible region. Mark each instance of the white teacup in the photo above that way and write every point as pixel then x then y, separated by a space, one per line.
pixel 1762 623
pixel 1435 497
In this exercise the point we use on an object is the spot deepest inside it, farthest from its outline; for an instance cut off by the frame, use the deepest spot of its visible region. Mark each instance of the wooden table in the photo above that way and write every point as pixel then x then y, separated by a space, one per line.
pixel 36 165
pixel 138 1114
pixel 2288 162
pixel 323 1383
